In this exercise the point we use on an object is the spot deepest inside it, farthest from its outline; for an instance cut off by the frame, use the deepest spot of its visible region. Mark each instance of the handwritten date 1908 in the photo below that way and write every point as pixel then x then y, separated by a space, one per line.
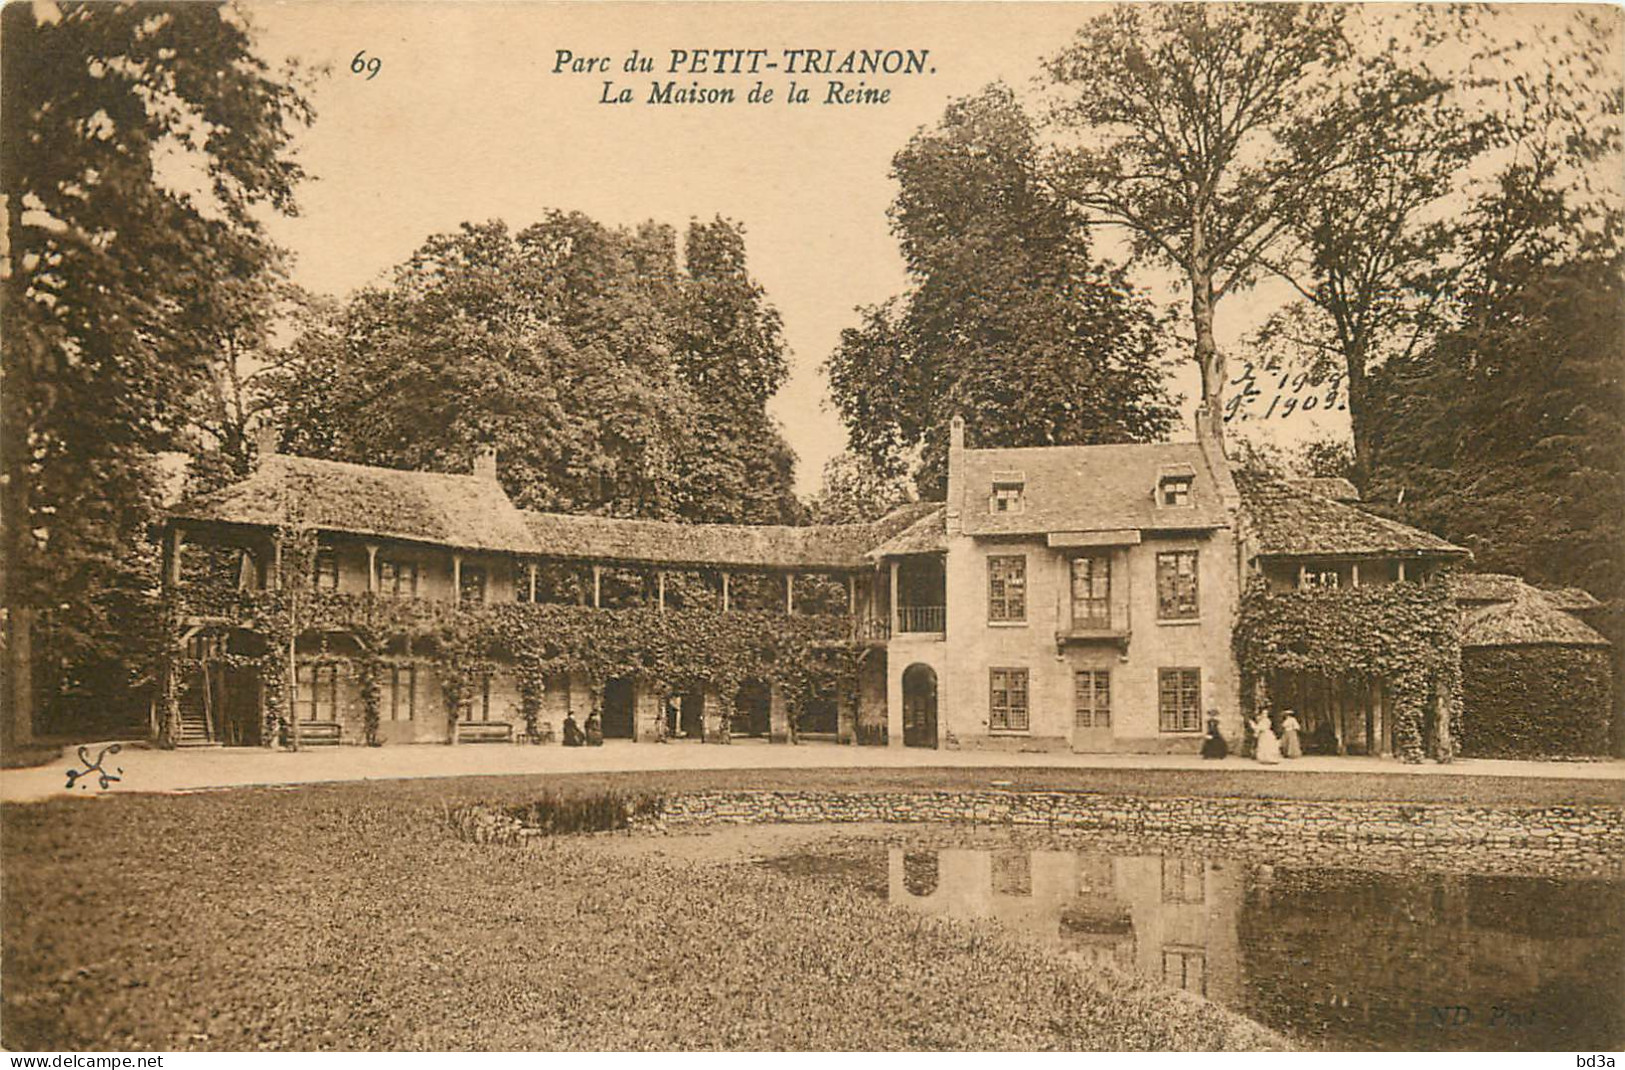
pixel 1300 393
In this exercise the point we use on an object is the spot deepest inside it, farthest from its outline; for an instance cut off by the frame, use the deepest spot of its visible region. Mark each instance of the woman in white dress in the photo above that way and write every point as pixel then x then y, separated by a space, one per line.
pixel 1269 748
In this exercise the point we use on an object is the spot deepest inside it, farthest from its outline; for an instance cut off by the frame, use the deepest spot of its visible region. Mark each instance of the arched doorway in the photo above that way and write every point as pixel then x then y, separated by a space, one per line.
pixel 919 706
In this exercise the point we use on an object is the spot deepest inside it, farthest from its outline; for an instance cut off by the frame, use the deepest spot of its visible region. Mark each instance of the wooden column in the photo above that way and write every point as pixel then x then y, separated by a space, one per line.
pixel 1355 574
pixel 176 541
pixel 456 577
pixel 725 592
pixel 1402 572
pixel 598 586
pixel 372 568
pixel 896 610
pixel 1303 575
pixel 789 594
pixel 530 567
pixel 852 595
pixel 660 589
pixel 274 580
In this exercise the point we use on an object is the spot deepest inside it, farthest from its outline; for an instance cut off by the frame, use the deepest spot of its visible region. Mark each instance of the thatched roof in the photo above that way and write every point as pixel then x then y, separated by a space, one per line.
pixel 1502 610
pixel 473 513
pixel 927 535
pixel 1089 488
pixel 1571 599
pixel 1290 521
pixel 662 542
pixel 1473 587
pixel 465 512
pixel 1524 621
pixel 1336 488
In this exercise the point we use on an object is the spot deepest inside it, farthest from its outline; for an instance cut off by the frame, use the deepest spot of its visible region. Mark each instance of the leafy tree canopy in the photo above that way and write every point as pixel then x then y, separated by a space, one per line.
pixel 608 378
pixel 1010 321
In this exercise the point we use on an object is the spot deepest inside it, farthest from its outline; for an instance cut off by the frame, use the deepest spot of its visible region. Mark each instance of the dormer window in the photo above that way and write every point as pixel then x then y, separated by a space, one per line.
pixel 1009 493
pixel 1174 489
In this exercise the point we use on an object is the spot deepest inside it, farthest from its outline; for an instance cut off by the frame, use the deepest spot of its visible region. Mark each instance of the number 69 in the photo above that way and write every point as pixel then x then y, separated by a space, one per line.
pixel 370 67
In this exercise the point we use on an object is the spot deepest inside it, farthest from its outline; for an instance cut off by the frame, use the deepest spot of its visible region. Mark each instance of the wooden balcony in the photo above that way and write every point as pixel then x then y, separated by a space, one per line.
pixel 922 620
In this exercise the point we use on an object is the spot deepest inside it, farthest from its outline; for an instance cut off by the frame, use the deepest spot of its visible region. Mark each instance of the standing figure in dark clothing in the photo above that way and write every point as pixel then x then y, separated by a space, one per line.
pixel 572 731
pixel 1214 745
pixel 595 730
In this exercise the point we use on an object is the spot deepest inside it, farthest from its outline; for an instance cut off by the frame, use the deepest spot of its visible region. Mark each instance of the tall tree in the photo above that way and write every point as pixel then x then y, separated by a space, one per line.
pixel 140 140
pixel 1187 127
pixel 854 491
pixel 1507 434
pixel 1467 186
pixel 1010 321
pixel 608 377
pixel 731 354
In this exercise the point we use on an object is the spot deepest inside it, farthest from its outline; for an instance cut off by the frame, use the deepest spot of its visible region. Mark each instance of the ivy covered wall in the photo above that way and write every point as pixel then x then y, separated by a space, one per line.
pixel 1536 701
pixel 1407 635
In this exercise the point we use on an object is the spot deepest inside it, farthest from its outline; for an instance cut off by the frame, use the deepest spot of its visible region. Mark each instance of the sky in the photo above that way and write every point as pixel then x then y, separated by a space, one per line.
pixel 471 116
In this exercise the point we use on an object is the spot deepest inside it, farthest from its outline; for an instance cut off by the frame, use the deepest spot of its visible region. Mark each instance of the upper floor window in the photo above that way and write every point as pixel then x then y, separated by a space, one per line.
pixel 471 586
pixel 1319 576
pixel 1175 490
pixel 397 579
pixel 1092 591
pixel 1009 493
pixel 1007 588
pixel 1007 706
pixel 325 571
pixel 1176 585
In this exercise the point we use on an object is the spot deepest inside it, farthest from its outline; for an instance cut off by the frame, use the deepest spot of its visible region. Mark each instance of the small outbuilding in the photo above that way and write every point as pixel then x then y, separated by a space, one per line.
pixel 1536 680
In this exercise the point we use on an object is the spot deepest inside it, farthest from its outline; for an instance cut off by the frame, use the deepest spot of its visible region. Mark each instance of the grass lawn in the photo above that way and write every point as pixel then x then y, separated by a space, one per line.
pixel 342 916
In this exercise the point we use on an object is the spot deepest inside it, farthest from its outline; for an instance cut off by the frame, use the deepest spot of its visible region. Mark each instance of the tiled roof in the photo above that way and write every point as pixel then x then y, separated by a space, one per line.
pixel 467 512
pixel 1288 521
pixel 1089 488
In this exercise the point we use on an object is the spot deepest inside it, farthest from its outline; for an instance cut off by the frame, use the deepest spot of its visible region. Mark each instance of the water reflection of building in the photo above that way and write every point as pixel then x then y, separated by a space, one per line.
pixel 1169 918
pixel 1348 958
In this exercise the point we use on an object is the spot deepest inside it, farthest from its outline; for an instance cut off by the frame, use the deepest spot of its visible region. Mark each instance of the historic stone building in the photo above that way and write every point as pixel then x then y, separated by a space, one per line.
pixel 1091 598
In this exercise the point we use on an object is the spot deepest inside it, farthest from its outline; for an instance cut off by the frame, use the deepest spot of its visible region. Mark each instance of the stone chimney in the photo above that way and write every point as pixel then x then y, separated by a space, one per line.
pixel 485 463
pixel 267 440
pixel 956 474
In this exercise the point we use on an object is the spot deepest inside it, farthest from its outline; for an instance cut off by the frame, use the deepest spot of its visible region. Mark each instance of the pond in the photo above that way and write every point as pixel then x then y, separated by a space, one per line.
pixel 1374 957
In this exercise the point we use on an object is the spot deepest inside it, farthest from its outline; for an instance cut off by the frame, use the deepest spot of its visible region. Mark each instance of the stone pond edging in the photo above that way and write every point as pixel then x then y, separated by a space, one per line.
pixel 1542 830
pixel 1584 838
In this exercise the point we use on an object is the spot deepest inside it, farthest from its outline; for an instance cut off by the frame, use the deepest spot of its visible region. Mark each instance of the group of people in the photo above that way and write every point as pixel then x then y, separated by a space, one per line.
pixel 575 737
pixel 1262 743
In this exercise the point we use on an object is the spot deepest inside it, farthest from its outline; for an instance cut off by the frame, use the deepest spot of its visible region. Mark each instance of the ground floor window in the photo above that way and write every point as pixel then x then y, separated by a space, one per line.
pixel 402 692
pixel 1186 968
pixel 1092 688
pixel 316 696
pixel 1179 700
pixel 1008 707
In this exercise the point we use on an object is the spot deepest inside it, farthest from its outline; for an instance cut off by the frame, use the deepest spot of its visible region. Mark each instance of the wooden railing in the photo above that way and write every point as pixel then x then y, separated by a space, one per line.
pixel 932 619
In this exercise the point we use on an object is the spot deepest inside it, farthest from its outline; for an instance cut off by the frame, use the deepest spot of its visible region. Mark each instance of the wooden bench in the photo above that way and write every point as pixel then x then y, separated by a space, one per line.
pixel 543 733
pixel 484 732
pixel 320 733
